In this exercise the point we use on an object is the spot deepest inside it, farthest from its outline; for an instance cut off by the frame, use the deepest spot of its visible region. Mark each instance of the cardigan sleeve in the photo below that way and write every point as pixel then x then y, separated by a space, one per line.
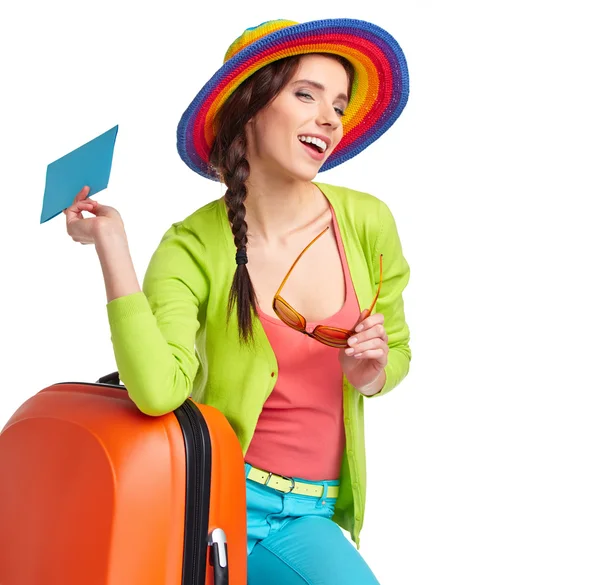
pixel 390 303
pixel 153 332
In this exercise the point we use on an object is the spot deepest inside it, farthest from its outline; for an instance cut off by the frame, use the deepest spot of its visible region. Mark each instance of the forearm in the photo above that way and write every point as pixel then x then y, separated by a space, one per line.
pixel 158 375
pixel 152 330
pixel 119 274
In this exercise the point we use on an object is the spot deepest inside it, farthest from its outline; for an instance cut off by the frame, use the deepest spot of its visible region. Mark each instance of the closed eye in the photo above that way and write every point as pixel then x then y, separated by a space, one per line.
pixel 302 94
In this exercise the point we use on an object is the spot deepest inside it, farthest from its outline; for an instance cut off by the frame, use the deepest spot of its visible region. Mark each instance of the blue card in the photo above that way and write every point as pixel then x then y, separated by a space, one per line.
pixel 89 164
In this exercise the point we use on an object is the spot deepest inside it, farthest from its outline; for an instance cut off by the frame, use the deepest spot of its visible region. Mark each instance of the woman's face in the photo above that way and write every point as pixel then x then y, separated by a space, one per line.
pixel 308 108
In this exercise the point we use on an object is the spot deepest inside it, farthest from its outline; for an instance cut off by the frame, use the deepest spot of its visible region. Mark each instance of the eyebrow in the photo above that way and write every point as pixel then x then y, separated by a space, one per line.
pixel 319 86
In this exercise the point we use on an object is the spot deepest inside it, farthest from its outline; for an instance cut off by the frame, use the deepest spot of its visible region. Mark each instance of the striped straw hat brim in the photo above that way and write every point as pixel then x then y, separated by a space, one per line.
pixel 379 92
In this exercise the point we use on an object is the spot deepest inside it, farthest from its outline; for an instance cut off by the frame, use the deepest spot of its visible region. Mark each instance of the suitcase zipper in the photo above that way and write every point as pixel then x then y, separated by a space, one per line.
pixel 198 466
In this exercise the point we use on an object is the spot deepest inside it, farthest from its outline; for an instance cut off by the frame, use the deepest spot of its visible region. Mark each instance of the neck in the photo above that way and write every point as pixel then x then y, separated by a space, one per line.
pixel 278 206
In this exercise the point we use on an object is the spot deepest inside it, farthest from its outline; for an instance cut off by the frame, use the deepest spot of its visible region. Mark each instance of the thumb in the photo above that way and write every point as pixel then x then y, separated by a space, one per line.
pixel 106 210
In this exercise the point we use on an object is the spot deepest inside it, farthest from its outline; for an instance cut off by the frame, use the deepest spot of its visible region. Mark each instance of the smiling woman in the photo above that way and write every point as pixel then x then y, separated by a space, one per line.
pixel 260 127
pixel 291 376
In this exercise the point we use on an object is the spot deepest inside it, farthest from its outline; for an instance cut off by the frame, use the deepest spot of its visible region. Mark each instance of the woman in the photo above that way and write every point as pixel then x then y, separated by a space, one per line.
pixel 276 341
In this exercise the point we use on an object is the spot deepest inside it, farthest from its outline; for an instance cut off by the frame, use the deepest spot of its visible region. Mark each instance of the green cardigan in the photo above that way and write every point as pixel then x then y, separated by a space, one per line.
pixel 171 340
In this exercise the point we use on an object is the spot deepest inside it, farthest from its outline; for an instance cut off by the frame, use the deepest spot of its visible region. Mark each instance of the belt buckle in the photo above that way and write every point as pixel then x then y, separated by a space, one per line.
pixel 284 477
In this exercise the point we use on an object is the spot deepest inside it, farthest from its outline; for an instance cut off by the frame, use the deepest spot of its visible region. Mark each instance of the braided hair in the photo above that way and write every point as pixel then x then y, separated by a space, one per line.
pixel 228 158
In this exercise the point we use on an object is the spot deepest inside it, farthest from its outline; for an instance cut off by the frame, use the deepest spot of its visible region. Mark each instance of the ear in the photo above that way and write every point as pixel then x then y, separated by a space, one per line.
pixel 250 130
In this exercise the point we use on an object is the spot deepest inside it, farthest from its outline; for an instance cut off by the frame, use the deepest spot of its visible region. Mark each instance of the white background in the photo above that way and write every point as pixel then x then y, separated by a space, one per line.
pixel 483 463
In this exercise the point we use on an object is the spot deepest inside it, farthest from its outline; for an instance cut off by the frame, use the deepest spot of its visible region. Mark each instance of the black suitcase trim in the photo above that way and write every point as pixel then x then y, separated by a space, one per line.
pixel 198 465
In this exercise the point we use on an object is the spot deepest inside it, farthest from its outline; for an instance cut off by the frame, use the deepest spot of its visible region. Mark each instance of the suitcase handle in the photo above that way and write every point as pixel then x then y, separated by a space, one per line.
pixel 218 556
pixel 112 378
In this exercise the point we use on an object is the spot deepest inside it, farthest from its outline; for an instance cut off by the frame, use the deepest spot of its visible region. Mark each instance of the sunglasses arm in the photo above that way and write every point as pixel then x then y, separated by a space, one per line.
pixel 297 259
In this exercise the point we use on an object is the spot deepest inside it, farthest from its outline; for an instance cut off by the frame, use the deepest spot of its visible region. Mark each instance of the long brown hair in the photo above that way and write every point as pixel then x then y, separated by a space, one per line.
pixel 228 158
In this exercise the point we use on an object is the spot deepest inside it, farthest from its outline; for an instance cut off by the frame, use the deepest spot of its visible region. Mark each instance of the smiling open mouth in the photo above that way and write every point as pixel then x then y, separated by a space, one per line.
pixel 315 144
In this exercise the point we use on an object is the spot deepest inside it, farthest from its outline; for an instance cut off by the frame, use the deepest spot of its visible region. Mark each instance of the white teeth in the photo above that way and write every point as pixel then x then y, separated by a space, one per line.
pixel 316 141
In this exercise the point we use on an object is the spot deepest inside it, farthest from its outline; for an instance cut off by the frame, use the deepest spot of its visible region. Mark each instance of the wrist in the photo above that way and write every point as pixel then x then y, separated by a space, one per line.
pixel 110 235
pixel 375 386
pixel 117 266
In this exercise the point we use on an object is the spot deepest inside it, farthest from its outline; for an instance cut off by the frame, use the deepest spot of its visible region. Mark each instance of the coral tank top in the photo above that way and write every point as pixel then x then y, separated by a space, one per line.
pixel 300 431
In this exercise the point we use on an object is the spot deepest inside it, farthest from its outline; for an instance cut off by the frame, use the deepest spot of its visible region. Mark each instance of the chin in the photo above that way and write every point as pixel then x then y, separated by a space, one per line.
pixel 295 169
pixel 304 172
pixel 307 177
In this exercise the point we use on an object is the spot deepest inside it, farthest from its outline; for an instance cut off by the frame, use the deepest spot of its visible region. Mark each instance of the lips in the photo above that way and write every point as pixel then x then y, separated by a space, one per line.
pixel 314 154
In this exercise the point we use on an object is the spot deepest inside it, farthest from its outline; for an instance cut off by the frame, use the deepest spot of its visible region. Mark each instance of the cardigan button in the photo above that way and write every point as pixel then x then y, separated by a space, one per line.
pixel 272 374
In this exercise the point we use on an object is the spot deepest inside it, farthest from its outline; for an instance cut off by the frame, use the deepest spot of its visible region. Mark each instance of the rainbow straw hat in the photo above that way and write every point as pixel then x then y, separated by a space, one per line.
pixel 379 93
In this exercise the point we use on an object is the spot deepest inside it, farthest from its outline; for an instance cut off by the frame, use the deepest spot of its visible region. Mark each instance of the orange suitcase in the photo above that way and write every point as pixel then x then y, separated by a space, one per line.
pixel 94 492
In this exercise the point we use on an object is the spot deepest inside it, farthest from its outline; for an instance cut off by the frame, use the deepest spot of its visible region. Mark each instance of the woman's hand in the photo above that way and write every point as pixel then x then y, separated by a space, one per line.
pixel 86 230
pixel 363 362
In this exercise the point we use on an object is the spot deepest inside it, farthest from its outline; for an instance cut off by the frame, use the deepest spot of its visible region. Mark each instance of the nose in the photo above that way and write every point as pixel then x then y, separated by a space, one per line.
pixel 329 117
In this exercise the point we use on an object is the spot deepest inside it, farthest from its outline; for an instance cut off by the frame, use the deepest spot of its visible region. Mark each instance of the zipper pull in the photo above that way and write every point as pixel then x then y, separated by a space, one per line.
pixel 218 556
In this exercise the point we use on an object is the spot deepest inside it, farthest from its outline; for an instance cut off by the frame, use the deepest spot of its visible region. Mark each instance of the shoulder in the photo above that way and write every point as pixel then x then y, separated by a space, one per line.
pixel 195 244
pixel 205 220
pixel 204 225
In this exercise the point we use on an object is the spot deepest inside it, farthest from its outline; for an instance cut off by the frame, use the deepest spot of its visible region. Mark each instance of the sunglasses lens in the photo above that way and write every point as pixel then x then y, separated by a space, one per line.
pixel 288 315
pixel 331 336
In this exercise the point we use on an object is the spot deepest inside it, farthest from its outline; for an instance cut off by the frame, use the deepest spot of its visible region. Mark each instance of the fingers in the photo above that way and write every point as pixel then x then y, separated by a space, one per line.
pixel 360 318
pixel 372 341
pixel 86 205
pixel 374 319
pixel 76 209
pixel 373 354
pixel 82 194
pixel 79 198
pixel 376 332
pixel 376 347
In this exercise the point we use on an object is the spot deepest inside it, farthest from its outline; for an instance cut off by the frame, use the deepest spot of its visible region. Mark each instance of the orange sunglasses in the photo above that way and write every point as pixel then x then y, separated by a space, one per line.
pixel 332 336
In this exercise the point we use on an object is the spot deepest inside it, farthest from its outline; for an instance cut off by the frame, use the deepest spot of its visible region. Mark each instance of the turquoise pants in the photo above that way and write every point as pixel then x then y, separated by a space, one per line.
pixel 292 540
